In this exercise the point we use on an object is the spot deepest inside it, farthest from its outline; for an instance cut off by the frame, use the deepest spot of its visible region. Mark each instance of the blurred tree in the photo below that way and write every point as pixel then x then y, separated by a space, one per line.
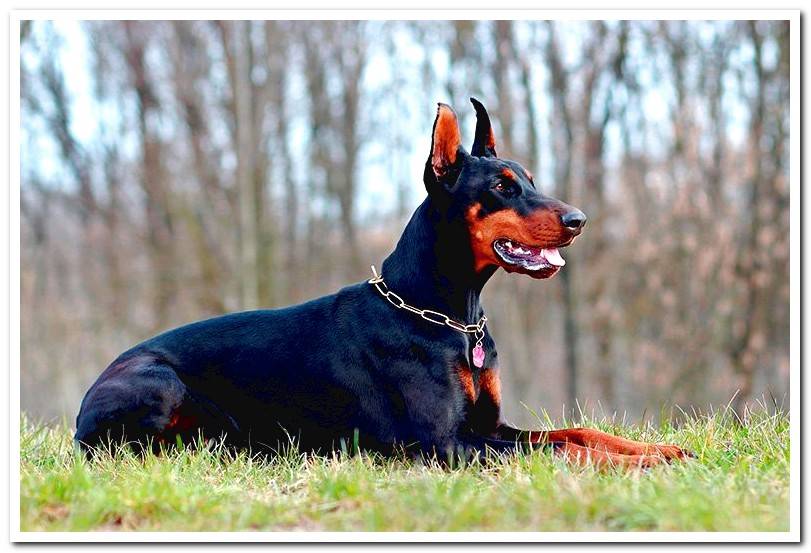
pixel 564 145
pixel 156 187
pixel 191 67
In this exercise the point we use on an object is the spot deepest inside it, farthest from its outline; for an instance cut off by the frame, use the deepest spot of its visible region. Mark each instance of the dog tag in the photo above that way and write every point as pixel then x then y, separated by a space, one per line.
pixel 478 356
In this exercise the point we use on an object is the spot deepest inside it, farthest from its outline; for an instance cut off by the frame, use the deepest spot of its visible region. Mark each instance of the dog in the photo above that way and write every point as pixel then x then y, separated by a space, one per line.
pixel 403 360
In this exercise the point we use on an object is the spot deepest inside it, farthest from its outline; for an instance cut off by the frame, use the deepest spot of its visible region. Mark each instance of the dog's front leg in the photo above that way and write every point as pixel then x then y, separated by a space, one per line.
pixel 594 440
pixel 571 452
pixel 485 420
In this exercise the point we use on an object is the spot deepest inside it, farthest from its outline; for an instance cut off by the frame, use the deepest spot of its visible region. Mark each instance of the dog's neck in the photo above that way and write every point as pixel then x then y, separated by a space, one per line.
pixel 432 266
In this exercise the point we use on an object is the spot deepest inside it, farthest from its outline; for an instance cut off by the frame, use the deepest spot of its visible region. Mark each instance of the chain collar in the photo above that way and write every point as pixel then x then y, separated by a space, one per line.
pixel 428 314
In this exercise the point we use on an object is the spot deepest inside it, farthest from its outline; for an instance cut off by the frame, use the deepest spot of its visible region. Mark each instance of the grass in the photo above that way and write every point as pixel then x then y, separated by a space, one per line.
pixel 739 482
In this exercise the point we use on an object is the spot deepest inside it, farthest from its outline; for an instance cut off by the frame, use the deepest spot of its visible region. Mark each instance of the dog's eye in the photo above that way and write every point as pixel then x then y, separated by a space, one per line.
pixel 506 189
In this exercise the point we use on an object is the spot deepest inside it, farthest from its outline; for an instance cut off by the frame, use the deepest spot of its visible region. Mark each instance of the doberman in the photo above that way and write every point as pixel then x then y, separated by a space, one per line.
pixel 404 360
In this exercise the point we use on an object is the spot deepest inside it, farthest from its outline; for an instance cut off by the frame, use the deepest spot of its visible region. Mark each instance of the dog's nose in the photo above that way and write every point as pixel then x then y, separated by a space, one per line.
pixel 573 219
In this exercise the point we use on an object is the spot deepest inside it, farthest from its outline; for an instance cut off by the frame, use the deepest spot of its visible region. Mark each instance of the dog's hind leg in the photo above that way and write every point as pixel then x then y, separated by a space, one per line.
pixel 135 401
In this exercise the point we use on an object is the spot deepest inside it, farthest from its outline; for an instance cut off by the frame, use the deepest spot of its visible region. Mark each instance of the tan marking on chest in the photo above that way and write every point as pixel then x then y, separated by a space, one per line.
pixel 486 384
pixel 490 385
pixel 465 377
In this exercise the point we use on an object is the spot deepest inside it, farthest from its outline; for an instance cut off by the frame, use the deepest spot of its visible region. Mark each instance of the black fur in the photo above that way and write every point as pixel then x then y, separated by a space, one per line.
pixel 326 369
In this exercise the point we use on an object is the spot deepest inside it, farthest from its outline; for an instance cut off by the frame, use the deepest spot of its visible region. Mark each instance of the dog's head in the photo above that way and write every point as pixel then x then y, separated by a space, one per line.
pixel 510 223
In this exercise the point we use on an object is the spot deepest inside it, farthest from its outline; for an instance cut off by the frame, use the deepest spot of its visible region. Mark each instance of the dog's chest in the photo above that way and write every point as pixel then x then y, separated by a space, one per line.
pixel 475 383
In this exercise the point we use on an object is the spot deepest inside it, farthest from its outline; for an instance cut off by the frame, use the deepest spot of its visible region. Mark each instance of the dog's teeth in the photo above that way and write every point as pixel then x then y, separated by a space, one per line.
pixel 508 244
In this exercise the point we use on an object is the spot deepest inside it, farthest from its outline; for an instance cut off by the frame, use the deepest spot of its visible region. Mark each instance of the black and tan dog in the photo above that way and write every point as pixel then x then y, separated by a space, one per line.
pixel 403 360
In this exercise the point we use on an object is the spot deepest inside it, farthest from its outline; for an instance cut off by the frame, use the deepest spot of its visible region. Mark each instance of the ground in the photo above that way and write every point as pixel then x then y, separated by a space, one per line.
pixel 739 482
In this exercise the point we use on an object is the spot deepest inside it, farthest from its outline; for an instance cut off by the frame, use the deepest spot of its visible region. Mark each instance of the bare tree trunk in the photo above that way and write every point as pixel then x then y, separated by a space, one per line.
pixel 263 222
pixel 191 67
pixel 276 38
pixel 350 60
pixel 117 282
pixel 744 353
pixel 564 143
pixel 596 118
pixel 248 244
pixel 461 55
pixel 504 48
pixel 779 296
pixel 153 182
pixel 347 191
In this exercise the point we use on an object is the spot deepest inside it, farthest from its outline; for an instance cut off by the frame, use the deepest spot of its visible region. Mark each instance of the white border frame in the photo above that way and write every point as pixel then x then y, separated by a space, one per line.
pixel 793 535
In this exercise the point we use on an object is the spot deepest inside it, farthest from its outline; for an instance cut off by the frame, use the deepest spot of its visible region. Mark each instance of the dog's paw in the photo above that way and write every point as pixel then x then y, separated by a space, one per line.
pixel 673 452
pixel 646 462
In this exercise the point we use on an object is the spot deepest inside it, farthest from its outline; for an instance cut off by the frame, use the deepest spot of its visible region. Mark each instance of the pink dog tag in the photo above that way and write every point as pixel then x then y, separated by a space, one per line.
pixel 478 356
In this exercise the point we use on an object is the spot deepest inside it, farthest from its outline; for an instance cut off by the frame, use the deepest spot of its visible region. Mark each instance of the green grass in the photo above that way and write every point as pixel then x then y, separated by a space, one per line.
pixel 740 482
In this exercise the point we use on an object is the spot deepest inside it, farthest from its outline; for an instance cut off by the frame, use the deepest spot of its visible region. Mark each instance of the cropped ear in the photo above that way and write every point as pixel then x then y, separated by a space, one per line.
pixel 445 141
pixel 484 144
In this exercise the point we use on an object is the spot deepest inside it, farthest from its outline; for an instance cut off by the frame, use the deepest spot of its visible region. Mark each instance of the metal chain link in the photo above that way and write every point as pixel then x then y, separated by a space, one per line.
pixel 428 314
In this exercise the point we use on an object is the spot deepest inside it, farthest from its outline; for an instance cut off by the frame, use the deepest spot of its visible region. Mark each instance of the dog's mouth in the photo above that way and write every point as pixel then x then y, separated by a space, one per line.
pixel 532 260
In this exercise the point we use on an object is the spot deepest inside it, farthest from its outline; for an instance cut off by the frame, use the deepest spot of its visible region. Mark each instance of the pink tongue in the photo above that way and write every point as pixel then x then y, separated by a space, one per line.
pixel 553 256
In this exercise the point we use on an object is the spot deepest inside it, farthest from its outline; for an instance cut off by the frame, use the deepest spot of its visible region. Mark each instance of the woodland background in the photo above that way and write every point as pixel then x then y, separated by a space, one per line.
pixel 178 170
